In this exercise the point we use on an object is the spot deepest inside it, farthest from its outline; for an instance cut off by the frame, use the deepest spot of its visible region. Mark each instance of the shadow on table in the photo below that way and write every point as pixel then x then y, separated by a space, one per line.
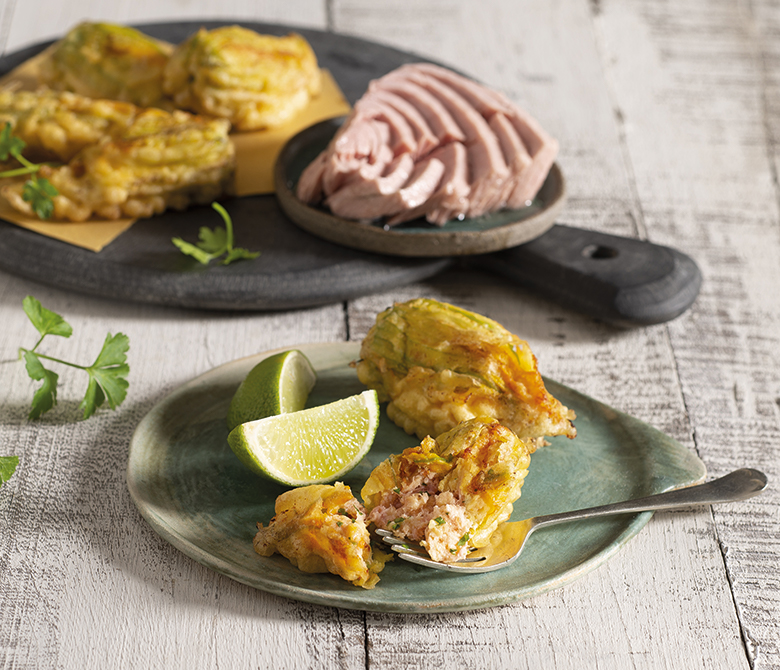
pixel 100 514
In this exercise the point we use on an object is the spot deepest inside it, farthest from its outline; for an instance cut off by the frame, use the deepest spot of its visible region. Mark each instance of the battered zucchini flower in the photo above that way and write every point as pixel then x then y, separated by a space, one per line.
pixel 321 528
pixel 255 81
pixel 439 365
pixel 450 494
pixel 57 125
pixel 148 160
pixel 103 60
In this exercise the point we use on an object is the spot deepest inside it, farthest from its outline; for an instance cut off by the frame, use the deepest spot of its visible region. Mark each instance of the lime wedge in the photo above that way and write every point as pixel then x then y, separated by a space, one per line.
pixel 313 446
pixel 277 384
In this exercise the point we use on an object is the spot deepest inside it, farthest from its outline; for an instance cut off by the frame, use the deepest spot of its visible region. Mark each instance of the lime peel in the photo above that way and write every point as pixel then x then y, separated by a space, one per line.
pixel 277 384
pixel 312 446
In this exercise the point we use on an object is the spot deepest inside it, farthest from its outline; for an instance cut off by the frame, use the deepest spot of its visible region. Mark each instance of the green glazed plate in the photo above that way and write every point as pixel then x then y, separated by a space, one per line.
pixel 195 493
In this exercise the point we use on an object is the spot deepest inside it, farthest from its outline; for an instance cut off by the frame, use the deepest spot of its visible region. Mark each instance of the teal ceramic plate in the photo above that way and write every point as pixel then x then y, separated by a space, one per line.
pixel 196 494
pixel 477 235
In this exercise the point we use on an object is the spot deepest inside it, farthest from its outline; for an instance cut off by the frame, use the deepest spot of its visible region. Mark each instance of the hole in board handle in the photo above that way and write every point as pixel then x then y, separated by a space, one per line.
pixel 599 252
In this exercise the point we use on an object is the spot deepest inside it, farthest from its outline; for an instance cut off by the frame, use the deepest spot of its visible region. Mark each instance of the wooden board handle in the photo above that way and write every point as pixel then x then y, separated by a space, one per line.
pixel 624 281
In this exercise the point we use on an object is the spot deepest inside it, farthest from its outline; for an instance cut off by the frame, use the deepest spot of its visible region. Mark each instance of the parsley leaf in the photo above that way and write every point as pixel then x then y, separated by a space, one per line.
pixel 38 191
pixel 10 145
pixel 107 375
pixel 191 250
pixel 45 321
pixel 7 467
pixel 238 254
pixel 46 396
pixel 215 243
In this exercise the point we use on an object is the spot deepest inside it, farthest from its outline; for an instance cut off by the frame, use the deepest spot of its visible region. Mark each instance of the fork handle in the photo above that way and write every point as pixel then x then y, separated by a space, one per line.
pixel 738 485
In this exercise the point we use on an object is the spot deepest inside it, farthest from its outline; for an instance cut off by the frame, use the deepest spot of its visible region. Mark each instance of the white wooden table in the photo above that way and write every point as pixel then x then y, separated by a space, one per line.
pixel 668 116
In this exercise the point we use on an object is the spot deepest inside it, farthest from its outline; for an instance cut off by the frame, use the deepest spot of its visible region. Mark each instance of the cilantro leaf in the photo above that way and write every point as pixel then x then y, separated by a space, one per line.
pixel 46 396
pixel 7 467
pixel 107 375
pixel 212 244
pixel 45 321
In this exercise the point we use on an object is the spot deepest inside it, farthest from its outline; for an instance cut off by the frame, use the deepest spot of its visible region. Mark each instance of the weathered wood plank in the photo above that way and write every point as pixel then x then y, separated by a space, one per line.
pixel 635 371
pixel 84 581
pixel 25 23
pixel 77 562
pixel 701 138
pixel 663 601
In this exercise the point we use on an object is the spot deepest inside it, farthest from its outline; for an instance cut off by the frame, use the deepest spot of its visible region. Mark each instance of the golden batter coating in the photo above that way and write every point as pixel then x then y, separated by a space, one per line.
pixel 56 126
pixel 439 365
pixel 322 528
pixel 255 81
pixel 150 160
pixel 103 60
pixel 450 494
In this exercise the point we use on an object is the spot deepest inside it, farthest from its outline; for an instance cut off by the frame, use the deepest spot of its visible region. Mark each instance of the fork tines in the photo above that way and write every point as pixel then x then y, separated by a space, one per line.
pixel 408 549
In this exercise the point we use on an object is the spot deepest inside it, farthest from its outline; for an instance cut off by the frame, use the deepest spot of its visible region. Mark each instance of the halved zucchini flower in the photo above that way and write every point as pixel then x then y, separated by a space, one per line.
pixel 450 494
pixel 322 528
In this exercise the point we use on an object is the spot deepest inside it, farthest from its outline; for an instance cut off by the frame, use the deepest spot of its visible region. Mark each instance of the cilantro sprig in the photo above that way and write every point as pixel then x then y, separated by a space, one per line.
pixel 38 191
pixel 215 243
pixel 107 375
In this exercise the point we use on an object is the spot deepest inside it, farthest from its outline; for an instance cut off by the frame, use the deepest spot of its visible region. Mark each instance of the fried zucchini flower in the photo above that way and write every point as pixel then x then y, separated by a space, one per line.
pixel 322 528
pixel 148 161
pixel 439 365
pixel 255 81
pixel 103 60
pixel 450 494
pixel 56 126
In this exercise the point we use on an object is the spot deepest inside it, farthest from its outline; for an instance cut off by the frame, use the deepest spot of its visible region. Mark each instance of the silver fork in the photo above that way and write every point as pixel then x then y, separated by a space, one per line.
pixel 738 485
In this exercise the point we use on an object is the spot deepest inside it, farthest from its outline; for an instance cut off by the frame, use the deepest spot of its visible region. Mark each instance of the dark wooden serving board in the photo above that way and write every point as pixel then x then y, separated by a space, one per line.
pixel 612 278
pixel 295 269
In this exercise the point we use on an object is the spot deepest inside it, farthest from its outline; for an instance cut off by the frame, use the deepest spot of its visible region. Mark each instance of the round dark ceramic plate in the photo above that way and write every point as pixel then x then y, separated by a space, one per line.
pixel 480 235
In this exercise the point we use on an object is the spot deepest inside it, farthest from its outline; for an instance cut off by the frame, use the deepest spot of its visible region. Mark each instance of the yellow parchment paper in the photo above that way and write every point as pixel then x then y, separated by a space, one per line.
pixel 256 153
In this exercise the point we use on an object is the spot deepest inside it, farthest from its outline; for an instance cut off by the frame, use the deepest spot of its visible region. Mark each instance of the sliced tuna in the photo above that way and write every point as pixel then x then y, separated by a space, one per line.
pixel 435 113
pixel 309 188
pixel 363 147
pixel 374 200
pixel 393 178
pixel 425 141
pixel 425 137
pixel 485 100
pixel 450 198
pixel 542 148
pixel 488 171
pixel 402 137
pixel 515 154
